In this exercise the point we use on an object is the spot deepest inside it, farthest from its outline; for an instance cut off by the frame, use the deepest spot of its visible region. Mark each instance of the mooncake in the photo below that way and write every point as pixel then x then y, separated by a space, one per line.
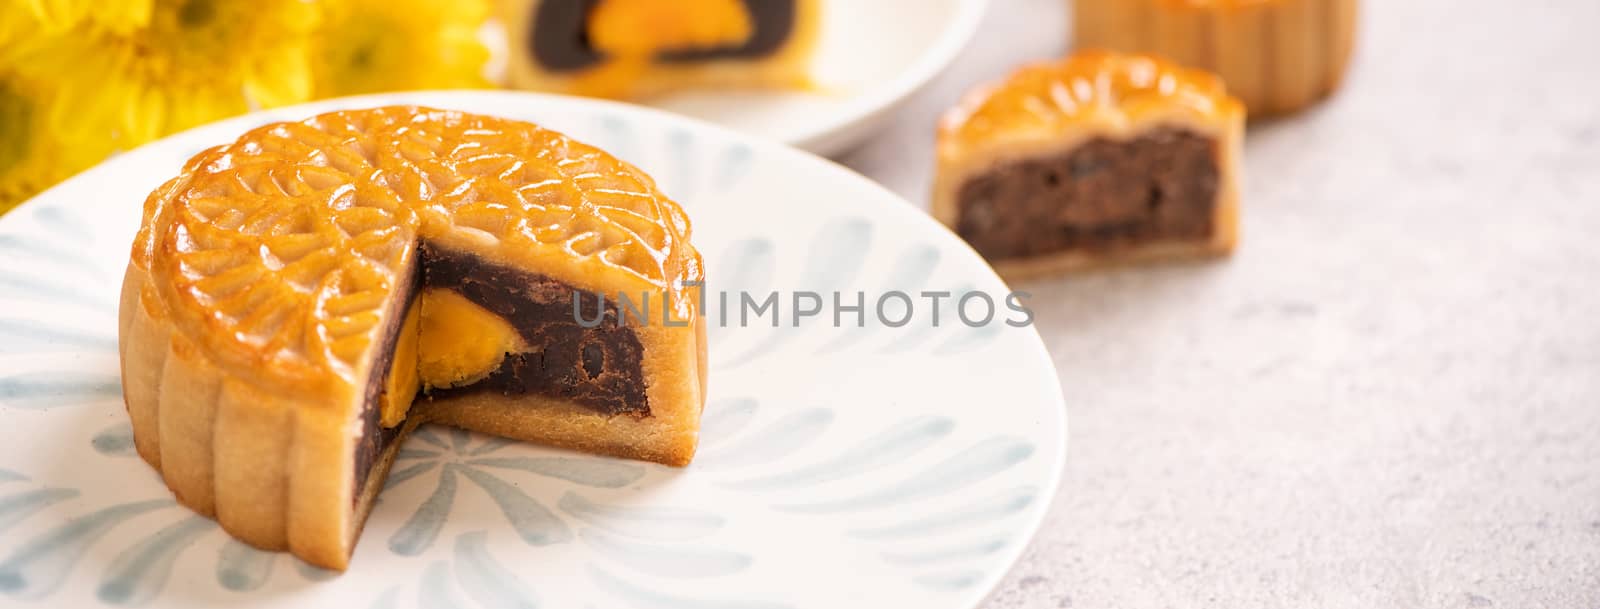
pixel 1094 159
pixel 299 300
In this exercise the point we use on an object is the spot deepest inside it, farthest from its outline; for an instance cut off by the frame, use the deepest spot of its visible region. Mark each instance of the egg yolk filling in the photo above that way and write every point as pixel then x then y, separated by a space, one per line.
pixel 477 326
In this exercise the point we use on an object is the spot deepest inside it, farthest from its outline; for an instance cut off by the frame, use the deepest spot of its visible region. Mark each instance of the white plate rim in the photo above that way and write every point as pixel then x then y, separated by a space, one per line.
pixel 859 114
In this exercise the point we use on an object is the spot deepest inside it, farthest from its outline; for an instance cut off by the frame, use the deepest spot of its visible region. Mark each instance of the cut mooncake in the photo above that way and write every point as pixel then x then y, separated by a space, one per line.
pixel 299 300
pixel 1277 56
pixel 1097 158
pixel 639 48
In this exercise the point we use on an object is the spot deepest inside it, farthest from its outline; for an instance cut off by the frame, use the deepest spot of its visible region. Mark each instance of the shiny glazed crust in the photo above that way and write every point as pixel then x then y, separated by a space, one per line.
pixel 1277 56
pixel 786 69
pixel 1049 109
pixel 262 277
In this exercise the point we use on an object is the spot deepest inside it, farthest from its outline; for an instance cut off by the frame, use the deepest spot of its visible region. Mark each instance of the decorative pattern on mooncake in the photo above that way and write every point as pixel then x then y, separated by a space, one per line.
pixel 639 48
pixel 1277 56
pixel 1092 159
pixel 291 294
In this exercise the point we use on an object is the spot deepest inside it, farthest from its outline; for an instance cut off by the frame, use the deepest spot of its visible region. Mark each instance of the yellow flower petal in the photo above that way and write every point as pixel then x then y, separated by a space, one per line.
pixel 367 46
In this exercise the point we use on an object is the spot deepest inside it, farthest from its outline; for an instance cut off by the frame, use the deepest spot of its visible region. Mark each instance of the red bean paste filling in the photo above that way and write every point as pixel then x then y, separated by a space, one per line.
pixel 597 368
pixel 559 35
pixel 1104 195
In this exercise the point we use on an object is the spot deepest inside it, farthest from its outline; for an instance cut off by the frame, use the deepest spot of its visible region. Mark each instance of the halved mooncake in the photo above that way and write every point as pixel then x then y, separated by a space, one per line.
pixel 299 300
pixel 1277 56
pixel 1093 159
pixel 638 48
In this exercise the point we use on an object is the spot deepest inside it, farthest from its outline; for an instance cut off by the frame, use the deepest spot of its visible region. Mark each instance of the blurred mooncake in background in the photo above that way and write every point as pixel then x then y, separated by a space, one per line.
pixel 1278 56
pixel 630 49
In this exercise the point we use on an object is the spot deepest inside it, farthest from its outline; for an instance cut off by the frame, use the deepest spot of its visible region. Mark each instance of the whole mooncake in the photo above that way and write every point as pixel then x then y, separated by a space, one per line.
pixel 1094 159
pixel 299 300
pixel 1277 56
pixel 639 48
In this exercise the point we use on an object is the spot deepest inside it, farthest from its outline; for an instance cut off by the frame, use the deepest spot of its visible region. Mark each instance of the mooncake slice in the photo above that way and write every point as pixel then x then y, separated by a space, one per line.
pixel 299 300
pixel 1094 159
pixel 1277 56
pixel 639 48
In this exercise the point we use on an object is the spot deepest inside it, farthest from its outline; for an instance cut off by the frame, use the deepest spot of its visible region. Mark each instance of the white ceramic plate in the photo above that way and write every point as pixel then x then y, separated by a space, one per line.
pixel 871 56
pixel 841 467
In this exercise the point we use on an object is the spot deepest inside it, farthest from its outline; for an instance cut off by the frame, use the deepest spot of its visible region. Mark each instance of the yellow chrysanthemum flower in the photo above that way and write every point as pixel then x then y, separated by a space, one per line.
pixel 369 46
pixel 53 17
pixel 195 62
pixel 23 165
pixel 80 79
pixel 33 155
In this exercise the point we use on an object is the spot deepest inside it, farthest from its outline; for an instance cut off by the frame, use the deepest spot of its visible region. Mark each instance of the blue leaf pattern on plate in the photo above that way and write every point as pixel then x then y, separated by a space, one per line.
pixel 15 508
pixel 724 418
pixel 43 250
pixel 681 145
pixel 745 267
pixel 615 135
pixel 910 275
pixel 242 568
pixel 534 523
pixel 63 223
pixel 312 572
pixel 982 512
pixel 47 290
pixel 459 439
pixel 891 446
pixel 435 591
pixel 946 554
pixel 588 471
pixel 39 390
pixel 426 434
pixel 660 523
pixel 917 333
pixel 17 336
pixel 36 568
pixel 114 441
pixel 490 445
pixel 986 459
pixel 775 441
pixel 733 165
pixel 416 453
pixel 408 472
pixel 138 573
pixel 487 581
pixel 419 532
pixel 832 263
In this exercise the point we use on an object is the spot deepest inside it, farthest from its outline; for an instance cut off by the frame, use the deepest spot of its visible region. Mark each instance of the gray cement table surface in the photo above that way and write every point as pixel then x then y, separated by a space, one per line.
pixel 1390 395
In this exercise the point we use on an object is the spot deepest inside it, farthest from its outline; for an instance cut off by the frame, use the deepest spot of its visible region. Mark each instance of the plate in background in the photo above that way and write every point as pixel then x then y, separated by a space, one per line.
pixel 845 466
pixel 871 56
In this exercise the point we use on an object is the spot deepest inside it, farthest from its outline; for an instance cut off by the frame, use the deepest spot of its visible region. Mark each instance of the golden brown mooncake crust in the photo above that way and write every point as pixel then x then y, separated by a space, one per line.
pixel 1051 108
pixel 263 277
pixel 1278 56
